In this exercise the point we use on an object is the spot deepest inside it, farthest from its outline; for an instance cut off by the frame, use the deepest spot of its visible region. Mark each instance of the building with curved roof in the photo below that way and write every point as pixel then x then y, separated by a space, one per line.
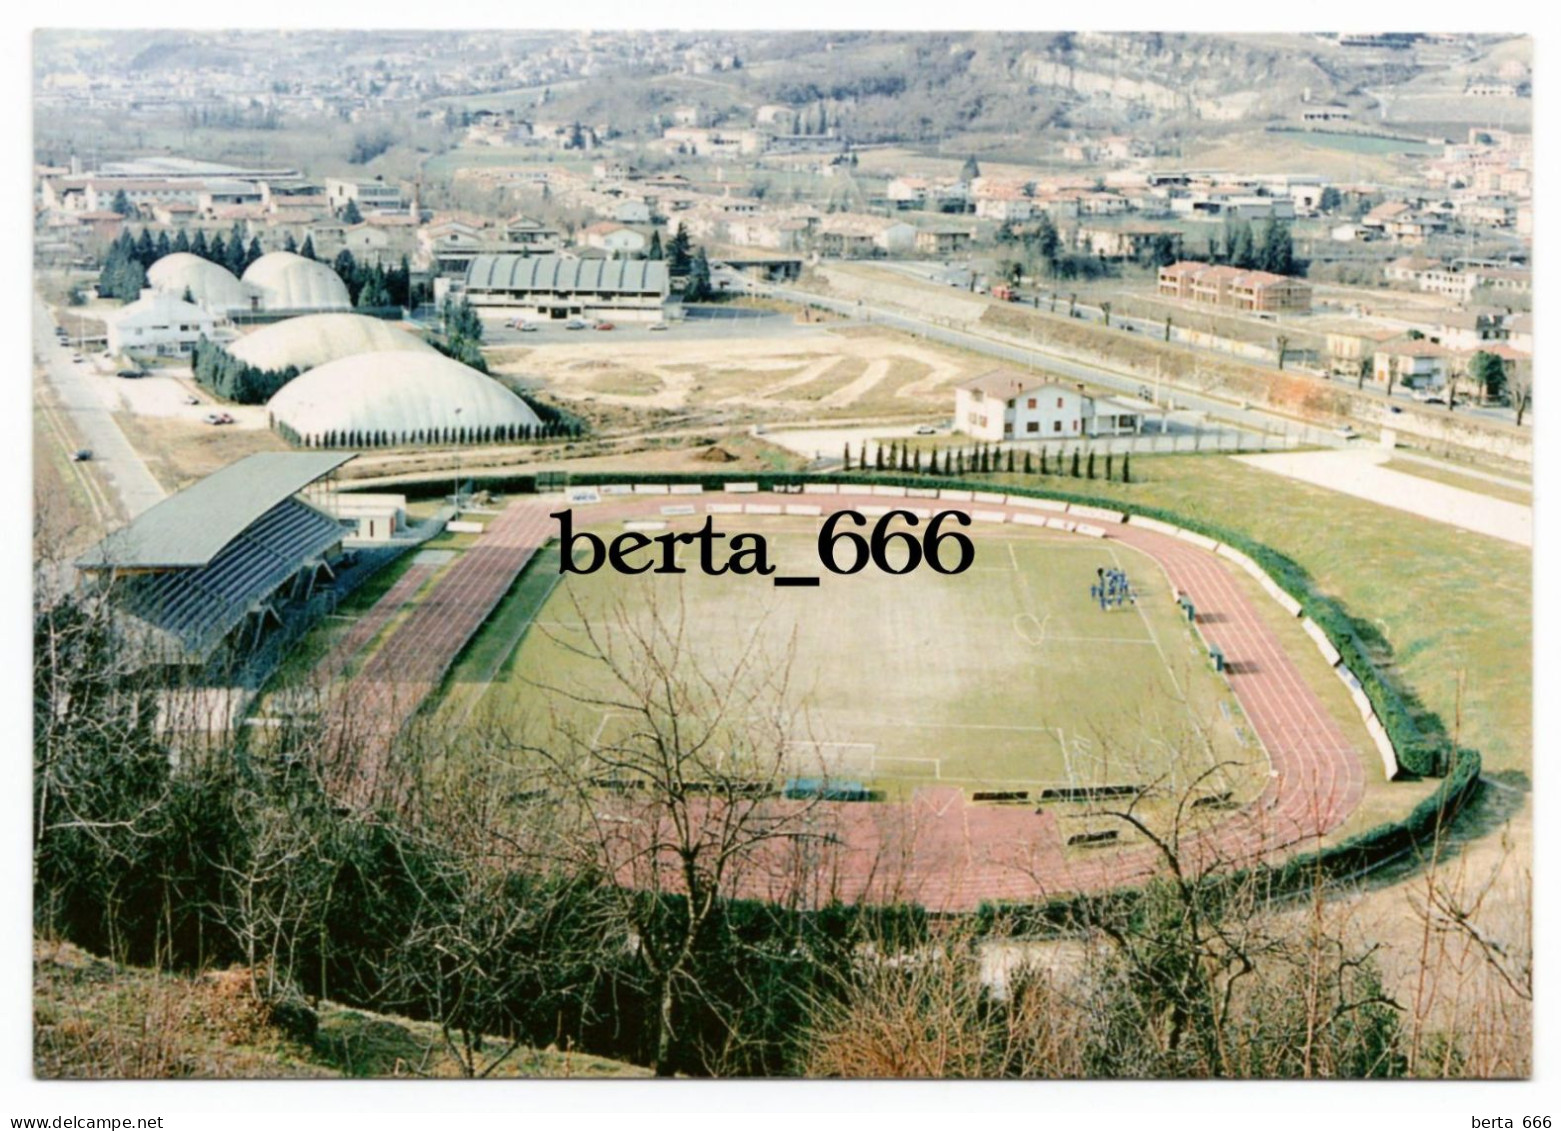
pixel 285 281
pixel 397 397
pixel 210 285
pixel 556 287
pixel 318 339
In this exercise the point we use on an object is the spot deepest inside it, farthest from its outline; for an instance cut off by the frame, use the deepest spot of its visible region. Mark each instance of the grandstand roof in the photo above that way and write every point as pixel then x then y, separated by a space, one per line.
pixel 562 274
pixel 287 281
pixel 194 609
pixel 315 339
pixel 399 392
pixel 191 528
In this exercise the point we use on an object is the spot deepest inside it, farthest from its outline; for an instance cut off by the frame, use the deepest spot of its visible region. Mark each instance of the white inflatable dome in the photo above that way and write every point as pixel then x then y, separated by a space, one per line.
pixel 396 397
pixel 286 281
pixel 210 285
pixel 319 339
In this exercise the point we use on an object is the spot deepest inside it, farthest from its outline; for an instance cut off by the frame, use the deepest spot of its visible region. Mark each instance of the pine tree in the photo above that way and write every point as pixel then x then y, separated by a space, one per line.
pixel 654 251
pixel 198 245
pixel 678 258
pixel 1091 465
pixel 1011 460
pixel 289 244
pixel 307 251
pixel 848 457
pixel 122 204
pixel 1126 475
pixel 163 248
pixel 350 214
pixel 698 288
pixel 145 250
pixel 878 458
pixel 255 252
pixel 1108 467
pixel 218 253
pixel 959 459
pixel 1028 470
pixel 1043 461
pixel 181 242
pixel 1075 463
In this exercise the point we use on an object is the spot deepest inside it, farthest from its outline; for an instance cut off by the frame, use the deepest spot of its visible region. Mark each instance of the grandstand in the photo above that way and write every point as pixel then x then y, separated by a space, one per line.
pixel 211 567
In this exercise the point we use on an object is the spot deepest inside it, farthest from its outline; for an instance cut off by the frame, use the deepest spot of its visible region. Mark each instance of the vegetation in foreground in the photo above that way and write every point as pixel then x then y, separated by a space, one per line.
pixel 516 895
pixel 96 1019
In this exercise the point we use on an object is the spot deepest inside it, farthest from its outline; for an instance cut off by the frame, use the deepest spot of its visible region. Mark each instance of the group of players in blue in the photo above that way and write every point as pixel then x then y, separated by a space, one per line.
pixel 1112 590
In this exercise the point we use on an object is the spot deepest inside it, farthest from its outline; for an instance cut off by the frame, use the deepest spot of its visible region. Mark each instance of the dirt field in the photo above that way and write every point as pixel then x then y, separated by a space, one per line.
pixel 824 374
pixel 179 451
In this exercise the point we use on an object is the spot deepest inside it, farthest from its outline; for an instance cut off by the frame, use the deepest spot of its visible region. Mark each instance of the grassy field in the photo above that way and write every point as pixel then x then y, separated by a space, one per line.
pixel 1003 677
pixel 1467 482
pixel 1447 602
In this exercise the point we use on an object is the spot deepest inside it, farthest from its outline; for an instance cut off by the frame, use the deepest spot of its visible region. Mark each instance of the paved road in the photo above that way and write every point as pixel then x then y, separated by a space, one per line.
pixel 87 396
pixel 1155 329
pixel 1357 473
pixel 1004 350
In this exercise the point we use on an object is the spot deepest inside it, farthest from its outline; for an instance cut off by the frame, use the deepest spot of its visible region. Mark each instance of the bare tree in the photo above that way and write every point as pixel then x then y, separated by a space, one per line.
pixel 1520 387
pixel 668 760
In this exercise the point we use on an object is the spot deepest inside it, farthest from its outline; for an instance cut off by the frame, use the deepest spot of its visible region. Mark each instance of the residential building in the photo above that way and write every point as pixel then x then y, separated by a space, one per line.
pixel 614 239
pixel 1004 404
pixel 1256 291
pixel 1412 364
pixel 370 196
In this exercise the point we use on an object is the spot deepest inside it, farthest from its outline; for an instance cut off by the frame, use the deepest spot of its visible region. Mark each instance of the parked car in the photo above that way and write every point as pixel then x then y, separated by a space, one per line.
pixel 78 359
pixel 660 326
pixel 926 430
pixel 132 373
pixel 81 455
pixel 1346 431
pixel 528 327
pixel 574 324
pixel 605 326
pixel 1394 408
pixel 192 399
pixel 1434 399
pixel 227 418
pixel 217 418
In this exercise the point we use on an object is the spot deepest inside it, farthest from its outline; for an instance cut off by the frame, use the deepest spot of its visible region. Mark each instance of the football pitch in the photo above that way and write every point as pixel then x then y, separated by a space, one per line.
pixel 1006 677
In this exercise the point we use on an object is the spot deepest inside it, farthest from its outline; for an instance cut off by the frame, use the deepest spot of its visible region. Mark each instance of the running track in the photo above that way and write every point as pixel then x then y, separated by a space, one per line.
pixel 937 849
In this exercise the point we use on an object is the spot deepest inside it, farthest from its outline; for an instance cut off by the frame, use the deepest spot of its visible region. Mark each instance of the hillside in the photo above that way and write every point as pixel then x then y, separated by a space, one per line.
pixel 95 1019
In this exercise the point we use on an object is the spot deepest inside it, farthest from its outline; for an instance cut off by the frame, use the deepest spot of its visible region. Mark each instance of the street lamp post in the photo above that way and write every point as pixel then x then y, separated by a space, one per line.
pixel 455 487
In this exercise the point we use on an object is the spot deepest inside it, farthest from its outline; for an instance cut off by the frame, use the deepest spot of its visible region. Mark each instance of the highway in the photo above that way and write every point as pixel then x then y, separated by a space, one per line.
pixel 87 398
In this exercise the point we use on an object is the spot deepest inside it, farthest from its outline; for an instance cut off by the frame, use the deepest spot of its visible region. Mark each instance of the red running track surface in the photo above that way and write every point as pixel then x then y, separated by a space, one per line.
pixel 938 849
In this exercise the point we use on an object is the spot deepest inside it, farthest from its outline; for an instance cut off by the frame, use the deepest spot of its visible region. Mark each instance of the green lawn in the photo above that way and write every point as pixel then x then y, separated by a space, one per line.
pixel 1446 602
pixel 1004 677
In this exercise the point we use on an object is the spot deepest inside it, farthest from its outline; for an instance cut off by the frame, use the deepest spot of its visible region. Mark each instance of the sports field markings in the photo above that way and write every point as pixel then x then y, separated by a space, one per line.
pixel 1067 762
pixel 1164 659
